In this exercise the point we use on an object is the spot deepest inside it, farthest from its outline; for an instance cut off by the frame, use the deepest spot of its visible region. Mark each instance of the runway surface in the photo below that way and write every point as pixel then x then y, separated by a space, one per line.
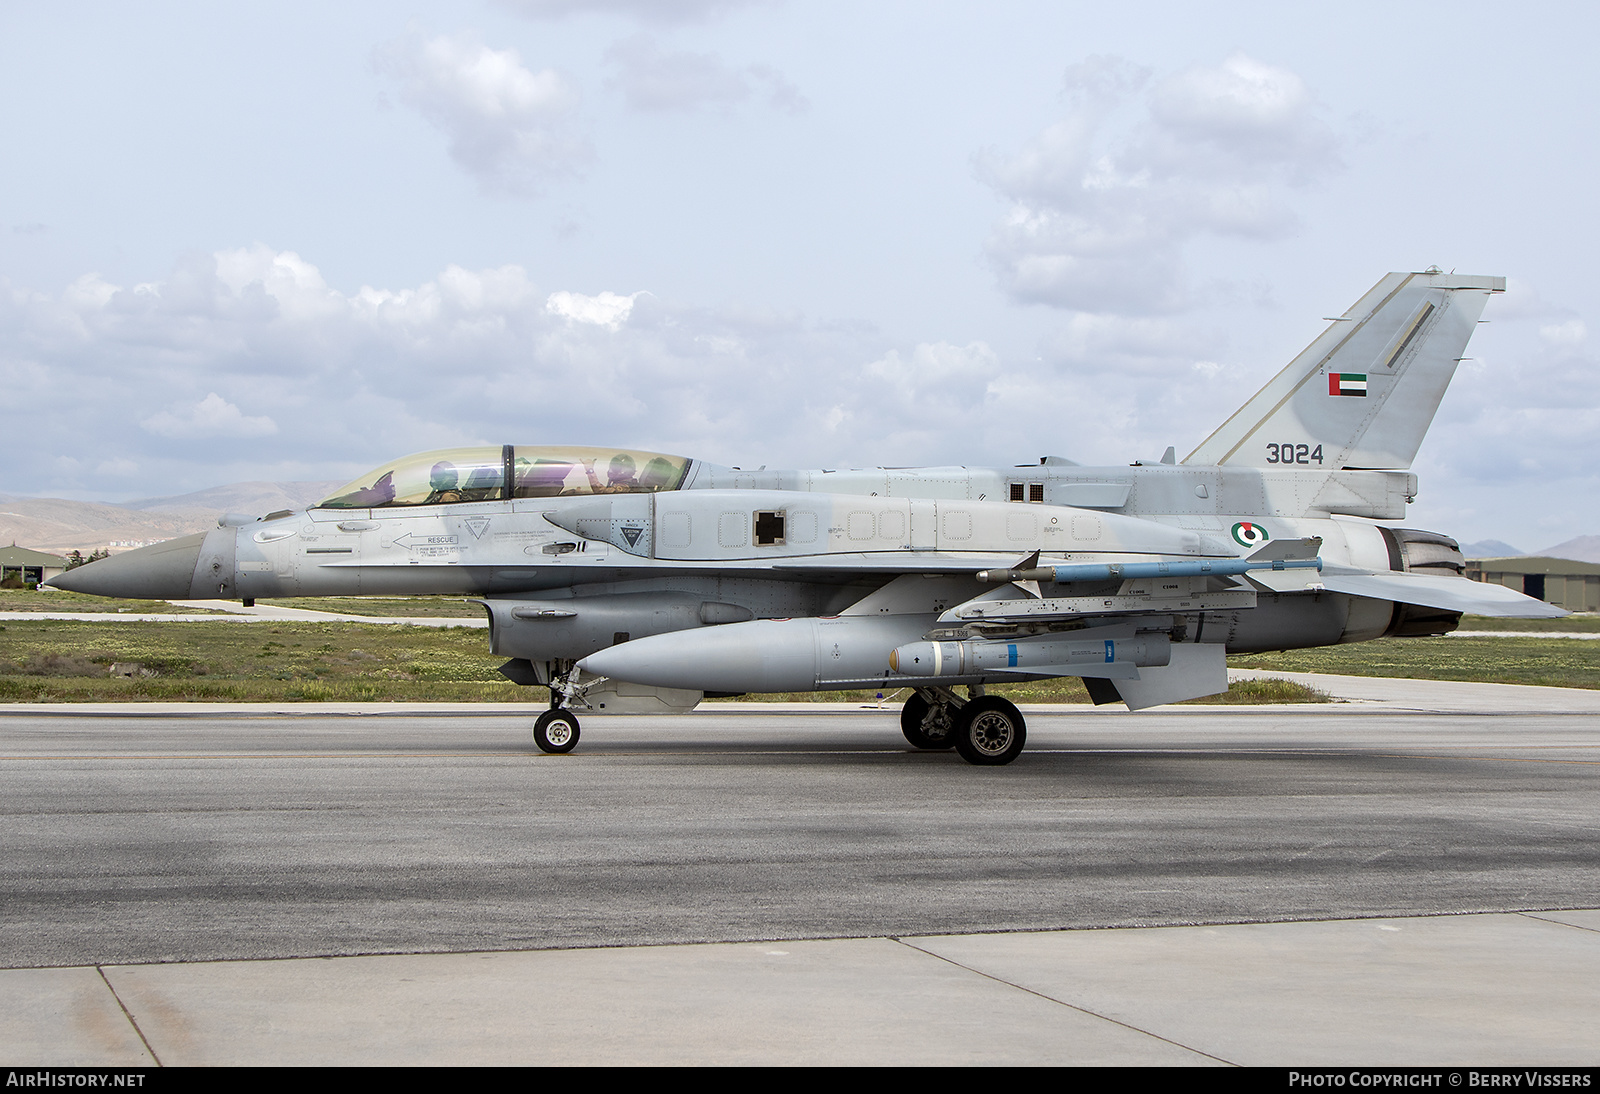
pixel 133 839
pixel 201 838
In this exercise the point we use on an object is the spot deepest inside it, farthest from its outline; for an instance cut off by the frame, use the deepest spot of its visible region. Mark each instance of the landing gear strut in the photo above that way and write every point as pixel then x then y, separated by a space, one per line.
pixel 556 730
pixel 928 719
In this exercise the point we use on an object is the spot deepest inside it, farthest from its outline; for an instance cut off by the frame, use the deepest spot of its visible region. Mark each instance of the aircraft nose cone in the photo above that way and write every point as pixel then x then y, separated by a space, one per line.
pixel 163 571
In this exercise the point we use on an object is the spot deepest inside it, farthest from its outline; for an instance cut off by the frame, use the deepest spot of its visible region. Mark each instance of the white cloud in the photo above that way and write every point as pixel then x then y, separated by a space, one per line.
pixel 351 378
pixel 1248 110
pixel 120 468
pixel 911 400
pixel 649 11
pixel 1101 208
pixel 653 80
pixel 606 309
pixel 1570 333
pixel 248 341
pixel 141 385
pixel 89 291
pixel 937 365
pixel 212 416
pixel 508 126
pixel 1122 344
pixel 292 283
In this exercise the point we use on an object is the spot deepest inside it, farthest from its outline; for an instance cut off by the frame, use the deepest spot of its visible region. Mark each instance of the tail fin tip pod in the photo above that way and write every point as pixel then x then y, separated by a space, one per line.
pixel 1363 394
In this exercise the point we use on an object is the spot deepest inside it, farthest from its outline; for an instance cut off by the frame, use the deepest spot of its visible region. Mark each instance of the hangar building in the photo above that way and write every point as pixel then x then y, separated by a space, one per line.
pixel 30 567
pixel 1574 586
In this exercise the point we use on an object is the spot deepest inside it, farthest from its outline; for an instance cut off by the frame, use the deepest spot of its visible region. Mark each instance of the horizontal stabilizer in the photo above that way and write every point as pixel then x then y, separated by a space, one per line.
pixel 1455 594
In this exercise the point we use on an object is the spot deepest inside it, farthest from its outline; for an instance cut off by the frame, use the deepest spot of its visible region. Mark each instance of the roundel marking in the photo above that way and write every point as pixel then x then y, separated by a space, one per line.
pixel 1249 534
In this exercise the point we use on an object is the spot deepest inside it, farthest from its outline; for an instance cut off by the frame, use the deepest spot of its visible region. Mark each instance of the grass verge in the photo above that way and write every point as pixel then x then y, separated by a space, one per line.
pixel 65 661
pixel 30 600
pixel 1550 662
pixel 69 661
pixel 1584 623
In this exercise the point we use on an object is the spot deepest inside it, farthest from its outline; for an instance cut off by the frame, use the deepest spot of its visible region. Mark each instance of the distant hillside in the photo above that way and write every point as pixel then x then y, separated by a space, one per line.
pixel 1579 549
pixel 1489 548
pixel 57 525
pixel 255 498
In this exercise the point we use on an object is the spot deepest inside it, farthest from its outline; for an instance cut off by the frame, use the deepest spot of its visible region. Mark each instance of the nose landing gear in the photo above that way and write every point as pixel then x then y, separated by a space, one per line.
pixel 556 731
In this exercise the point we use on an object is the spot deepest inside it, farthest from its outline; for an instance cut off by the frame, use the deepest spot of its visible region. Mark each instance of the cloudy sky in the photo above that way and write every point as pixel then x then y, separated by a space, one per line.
pixel 291 241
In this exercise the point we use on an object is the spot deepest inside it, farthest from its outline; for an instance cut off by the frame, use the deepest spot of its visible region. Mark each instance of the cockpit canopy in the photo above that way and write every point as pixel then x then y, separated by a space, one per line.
pixel 448 475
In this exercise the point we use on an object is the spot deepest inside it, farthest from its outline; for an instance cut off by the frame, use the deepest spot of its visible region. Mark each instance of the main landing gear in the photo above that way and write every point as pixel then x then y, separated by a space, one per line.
pixel 985 729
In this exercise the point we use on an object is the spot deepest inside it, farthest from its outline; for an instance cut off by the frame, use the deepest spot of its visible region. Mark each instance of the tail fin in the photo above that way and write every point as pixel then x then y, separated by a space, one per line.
pixel 1363 394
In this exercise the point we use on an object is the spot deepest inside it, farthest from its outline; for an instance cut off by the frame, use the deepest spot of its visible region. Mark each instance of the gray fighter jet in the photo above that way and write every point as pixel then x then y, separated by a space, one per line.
pixel 632 582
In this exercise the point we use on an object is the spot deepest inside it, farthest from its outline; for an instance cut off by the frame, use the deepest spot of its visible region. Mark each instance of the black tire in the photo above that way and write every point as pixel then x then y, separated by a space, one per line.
pixel 990 731
pixel 556 731
pixel 914 723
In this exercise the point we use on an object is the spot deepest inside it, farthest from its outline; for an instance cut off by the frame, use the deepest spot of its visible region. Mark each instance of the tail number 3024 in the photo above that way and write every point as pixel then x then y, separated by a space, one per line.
pixel 1294 453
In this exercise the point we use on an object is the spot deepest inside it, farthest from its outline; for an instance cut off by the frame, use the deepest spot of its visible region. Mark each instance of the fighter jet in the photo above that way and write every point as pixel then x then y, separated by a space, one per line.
pixel 629 582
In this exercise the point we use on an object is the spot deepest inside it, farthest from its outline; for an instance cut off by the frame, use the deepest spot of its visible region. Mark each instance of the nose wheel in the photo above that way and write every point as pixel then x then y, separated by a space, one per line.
pixel 556 731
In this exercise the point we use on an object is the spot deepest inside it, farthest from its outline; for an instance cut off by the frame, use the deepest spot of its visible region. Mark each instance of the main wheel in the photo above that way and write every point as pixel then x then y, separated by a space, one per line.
pixel 925 724
pixel 556 730
pixel 990 731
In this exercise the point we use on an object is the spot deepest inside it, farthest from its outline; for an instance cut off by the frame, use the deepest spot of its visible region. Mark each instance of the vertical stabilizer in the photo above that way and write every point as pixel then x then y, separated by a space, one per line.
pixel 1364 393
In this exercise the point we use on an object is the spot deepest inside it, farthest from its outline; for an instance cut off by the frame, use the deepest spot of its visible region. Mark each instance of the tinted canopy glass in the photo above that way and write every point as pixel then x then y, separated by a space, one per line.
pixel 448 475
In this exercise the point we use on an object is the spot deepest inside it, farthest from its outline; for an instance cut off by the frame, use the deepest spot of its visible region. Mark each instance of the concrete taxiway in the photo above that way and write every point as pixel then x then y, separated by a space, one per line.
pixel 1408 877
pixel 1459 990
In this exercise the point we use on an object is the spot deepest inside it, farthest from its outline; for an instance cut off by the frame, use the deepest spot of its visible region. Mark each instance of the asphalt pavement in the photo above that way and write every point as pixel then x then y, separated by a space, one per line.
pixel 1408 876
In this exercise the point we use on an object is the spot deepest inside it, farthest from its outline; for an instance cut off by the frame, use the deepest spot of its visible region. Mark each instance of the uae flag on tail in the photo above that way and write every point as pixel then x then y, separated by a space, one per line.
pixel 1347 383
